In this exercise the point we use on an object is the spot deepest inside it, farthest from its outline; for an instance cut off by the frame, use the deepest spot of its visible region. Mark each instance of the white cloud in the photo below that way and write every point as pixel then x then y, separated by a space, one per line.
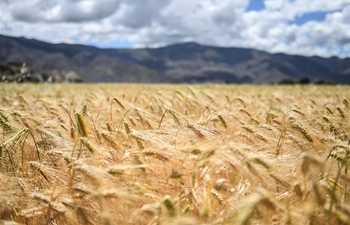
pixel 161 22
pixel 62 11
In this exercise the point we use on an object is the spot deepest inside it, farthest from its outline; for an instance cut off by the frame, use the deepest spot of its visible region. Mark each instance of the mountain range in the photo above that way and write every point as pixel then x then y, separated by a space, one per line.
pixel 179 63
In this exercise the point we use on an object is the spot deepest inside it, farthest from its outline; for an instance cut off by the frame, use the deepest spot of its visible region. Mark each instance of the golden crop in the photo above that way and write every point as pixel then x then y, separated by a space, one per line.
pixel 174 154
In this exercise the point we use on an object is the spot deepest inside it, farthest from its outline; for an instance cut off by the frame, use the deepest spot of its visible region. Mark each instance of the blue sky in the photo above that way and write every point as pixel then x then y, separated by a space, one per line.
pixel 111 44
pixel 303 27
pixel 313 16
pixel 258 5
pixel 255 5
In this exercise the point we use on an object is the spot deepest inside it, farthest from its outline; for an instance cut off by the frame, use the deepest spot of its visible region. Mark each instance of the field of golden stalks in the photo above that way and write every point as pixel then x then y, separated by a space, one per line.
pixel 163 154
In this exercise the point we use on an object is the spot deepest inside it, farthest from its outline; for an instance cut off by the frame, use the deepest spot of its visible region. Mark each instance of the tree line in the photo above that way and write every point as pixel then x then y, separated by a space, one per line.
pixel 306 80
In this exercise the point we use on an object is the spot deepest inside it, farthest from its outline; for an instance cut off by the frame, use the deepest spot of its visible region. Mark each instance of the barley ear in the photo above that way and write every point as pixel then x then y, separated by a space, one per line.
pixel 170 206
pixel 83 110
pixel 85 142
pixel 119 103
pixel 303 131
pixel 127 128
pixel 81 124
pixel 222 120
pixel 342 115
pixel 247 210
pixel 196 131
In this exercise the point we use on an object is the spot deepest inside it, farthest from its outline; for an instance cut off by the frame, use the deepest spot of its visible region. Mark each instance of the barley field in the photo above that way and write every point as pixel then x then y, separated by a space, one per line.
pixel 174 154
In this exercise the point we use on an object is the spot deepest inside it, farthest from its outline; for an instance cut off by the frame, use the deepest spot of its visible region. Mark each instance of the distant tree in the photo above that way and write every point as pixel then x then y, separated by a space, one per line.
pixel 287 81
pixel 304 80
pixel 324 82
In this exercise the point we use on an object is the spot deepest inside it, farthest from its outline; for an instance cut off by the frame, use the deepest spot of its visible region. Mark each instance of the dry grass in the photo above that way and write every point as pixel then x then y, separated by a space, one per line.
pixel 133 154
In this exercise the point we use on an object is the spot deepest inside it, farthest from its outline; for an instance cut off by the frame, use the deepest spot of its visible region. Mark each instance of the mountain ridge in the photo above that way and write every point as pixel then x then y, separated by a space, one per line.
pixel 188 62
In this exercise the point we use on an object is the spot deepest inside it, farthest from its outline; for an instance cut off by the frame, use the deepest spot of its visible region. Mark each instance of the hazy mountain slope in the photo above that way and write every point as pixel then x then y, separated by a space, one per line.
pixel 188 62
